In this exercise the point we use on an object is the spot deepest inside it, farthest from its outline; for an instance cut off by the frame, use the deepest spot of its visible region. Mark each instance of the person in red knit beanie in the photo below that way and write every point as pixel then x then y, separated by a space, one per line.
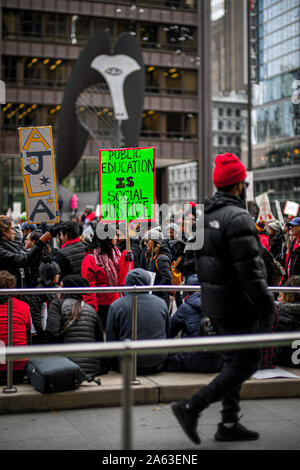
pixel 228 170
pixel 234 295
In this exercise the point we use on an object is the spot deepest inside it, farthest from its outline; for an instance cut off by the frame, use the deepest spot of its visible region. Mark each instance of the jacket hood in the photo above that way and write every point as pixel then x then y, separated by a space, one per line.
pixel 194 300
pixel 138 277
pixel 165 249
pixel 221 199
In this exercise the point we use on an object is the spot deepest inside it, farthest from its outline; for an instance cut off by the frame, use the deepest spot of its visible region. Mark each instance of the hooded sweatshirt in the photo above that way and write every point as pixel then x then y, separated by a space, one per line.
pixel 152 318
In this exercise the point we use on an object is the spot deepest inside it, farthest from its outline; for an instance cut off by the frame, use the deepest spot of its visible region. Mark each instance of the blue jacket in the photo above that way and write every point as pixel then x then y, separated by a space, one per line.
pixel 187 317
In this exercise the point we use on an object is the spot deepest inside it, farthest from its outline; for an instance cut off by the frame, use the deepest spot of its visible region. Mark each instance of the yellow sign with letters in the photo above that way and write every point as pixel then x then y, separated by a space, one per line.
pixel 38 170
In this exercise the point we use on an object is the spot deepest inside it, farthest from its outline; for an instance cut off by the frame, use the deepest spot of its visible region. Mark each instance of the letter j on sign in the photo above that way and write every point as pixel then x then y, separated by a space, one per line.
pixel 38 170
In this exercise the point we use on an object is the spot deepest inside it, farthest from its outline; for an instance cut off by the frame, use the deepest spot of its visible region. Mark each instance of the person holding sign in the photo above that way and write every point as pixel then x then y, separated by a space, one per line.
pixel 15 260
pixel 105 266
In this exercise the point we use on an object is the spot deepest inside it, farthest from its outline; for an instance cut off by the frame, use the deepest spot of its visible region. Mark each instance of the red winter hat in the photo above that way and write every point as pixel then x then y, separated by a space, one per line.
pixel 228 170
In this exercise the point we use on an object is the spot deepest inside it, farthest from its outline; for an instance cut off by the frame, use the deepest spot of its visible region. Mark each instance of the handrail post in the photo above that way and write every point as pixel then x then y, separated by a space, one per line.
pixel 134 380
pixel 127 403
pixel 9 387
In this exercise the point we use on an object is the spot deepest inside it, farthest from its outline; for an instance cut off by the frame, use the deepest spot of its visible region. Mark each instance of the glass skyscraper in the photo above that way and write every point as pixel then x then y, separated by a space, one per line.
pixel 275 117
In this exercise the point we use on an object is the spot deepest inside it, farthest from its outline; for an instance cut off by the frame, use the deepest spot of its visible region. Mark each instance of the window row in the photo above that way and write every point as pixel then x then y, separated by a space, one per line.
pixel 30 25
pixel 275 88
pixel 181 173
pixel 279 36
pixel 283 64
pixel 45 72
pixel 274 121
pixel 229 112
pixel 278 8
pixel 234 125
pixel 179 126
pixel 284 156
pixel 281 21
pixel 281 49
pixel 232 140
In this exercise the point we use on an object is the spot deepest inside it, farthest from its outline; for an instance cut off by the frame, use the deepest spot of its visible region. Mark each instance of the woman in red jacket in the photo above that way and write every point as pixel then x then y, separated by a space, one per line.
pixel 105 266
pixel 21 327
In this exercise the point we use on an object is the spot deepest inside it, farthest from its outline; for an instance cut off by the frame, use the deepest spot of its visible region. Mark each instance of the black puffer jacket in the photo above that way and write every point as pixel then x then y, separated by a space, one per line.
pixel 17 261
pixel 70 258
pixel 86 330
pixel 231 270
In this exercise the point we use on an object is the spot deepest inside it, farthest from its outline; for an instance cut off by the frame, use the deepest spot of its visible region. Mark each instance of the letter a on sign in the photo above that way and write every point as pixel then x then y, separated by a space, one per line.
pixel 37 161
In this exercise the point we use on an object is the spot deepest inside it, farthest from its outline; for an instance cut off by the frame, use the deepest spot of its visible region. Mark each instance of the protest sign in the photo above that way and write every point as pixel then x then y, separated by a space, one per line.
pixel 279 214
pixel 265 213
pixel 127 184
pixel 37 161
pixel 250 189
pixel 291 208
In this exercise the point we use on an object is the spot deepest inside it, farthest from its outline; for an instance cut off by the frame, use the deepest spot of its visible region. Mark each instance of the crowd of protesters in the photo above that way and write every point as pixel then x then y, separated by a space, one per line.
pixel 74 253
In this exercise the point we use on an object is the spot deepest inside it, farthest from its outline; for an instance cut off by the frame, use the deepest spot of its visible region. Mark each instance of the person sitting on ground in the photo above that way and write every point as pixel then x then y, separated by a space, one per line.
pixel 289 320
pixel 21 327
pixel 71 320
pixel 189 322
pixel 152 321
pixel 39 303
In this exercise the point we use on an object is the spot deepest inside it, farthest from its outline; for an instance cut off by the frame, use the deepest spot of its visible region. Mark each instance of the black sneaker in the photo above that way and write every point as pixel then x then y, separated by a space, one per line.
pixel 237 432
pixel 187 420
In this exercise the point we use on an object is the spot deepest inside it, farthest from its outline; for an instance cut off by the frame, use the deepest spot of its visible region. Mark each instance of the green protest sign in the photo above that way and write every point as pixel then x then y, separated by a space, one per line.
pixel 127 184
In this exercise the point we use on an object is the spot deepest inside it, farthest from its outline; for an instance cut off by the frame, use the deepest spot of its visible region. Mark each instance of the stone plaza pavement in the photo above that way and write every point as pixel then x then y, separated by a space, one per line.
pixel 90 418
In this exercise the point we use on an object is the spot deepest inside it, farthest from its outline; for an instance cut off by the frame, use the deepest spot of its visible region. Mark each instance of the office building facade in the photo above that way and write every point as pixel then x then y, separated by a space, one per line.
pixel 275 116
pixel 40 43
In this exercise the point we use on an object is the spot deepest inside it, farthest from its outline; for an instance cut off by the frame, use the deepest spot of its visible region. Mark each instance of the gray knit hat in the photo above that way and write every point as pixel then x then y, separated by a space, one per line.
pixel 47 271
pixel 154 234
pixel 275 225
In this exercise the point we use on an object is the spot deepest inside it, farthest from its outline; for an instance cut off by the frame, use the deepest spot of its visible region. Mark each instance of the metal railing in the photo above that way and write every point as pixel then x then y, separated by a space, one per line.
pixel 129 349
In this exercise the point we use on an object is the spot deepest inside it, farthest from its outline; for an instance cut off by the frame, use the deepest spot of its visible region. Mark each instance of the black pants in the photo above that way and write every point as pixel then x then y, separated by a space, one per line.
pixel 18 376
pixel 238 366
pixel 201 361
pixel 102 313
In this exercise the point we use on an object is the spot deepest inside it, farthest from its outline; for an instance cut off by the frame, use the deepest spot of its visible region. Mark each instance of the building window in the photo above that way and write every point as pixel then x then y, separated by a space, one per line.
pixel 30 24
pixel 9 64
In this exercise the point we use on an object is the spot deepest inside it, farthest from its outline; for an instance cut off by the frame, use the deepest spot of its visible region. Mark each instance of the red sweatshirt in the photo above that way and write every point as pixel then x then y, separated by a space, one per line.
pixel 21 328
pixel 97 277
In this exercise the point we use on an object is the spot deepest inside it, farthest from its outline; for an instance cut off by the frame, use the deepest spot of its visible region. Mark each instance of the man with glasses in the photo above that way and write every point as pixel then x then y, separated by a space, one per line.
pixel 234 296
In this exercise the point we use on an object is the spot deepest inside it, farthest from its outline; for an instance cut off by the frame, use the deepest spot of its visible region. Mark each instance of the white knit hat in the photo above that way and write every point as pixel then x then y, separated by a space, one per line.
pixel 275 225
pixel 154 234
pixel 173 226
